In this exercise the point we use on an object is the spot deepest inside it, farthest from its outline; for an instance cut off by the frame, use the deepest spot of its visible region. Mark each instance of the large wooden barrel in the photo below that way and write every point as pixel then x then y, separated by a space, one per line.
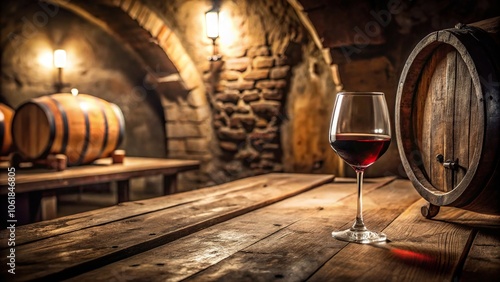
pixel 84 128
pixel 6 114
pixel 448 117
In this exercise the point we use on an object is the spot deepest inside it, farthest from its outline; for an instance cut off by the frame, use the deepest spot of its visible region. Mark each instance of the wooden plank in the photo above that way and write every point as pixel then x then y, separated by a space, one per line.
pixel 63 225
pixel 425 110
pixel 179 259
pixel 483 260
pixel 76 252
pixel 102 171
pixel 417 244
pixel 448 117
pixel 437 89
pixel 463 96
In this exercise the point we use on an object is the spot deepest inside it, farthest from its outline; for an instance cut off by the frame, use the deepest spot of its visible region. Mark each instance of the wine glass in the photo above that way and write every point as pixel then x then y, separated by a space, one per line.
pixel 360 133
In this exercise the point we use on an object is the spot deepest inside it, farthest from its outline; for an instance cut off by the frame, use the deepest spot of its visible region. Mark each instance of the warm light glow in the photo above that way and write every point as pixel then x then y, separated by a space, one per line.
pixel 59 58
pixel 74 91
pixel 84 106
pixel 212 24
pixel 46 59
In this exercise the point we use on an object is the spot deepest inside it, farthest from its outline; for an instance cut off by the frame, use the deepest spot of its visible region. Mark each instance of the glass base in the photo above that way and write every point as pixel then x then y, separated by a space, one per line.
pixel 359 236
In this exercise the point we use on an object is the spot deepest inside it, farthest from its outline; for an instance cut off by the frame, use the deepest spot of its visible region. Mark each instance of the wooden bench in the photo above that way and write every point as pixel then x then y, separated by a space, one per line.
pixel 268 227
pixel 37 187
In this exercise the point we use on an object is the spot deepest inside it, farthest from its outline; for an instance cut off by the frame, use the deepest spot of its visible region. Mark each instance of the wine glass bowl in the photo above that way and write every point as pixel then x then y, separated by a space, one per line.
pixel 360 133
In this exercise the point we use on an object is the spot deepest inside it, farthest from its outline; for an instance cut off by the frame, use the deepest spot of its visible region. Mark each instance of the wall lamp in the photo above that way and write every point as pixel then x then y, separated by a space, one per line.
pixel 212 28
pixel 59 63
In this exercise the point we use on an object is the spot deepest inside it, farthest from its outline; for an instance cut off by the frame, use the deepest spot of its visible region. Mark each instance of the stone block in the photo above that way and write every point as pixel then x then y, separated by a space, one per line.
pixel 197 98
pixel 203 113
pixel 197 145
pixel 228 97
pixel 256 74
pixel 250 95
pixel 271 146
pixel 272 94
pixel 279 72
pixel 126 4
pixel 243 109
pixel 230 75
pixel 266 109
pixel 263 62
pixel 241 120
pixel 281 61
pixel 240 84
pixel 229 109
pixel 171 113
pixel 235 51
pixel 143 16
pixel 183 129
pixel 261 123
pixel 135 9
pixel 238 64
pixel 271 84
pixel 226 133
pixel 229 146
pixel 258 51
pixel 264 135
pixel 176 145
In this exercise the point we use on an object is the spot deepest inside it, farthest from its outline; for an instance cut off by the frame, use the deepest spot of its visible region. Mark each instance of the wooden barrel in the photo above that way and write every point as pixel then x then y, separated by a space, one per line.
pixel 6 114
pixel 84 128
pixel 448 117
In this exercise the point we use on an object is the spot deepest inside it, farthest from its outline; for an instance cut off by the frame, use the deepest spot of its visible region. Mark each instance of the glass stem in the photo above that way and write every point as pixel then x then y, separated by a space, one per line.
pixel 359 224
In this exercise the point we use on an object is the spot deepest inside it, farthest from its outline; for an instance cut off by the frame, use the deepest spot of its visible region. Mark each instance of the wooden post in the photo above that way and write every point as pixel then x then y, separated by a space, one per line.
pixel 169 184
pixel 123 190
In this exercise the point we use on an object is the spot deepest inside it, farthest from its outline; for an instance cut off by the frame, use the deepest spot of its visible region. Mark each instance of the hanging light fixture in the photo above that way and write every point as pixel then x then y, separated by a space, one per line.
pixel 60 63
pixel 212 28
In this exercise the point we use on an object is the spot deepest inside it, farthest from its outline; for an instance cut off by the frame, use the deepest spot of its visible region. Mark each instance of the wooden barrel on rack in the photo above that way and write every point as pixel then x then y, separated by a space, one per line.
pixel 448 117
pixel 6 114
pixel 83 127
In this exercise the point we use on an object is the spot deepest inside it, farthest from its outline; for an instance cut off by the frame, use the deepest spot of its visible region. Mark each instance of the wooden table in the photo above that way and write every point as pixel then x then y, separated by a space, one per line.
pixel 40 184
pixel 269 227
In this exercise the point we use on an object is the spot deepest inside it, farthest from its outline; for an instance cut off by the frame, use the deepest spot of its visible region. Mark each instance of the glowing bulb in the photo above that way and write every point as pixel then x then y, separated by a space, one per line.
pixel 60 58
pixel 212 23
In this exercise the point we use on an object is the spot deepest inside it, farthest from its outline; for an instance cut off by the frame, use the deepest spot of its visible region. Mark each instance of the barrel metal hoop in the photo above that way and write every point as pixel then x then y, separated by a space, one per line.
pixel 52 129
pixel 121 122
pixel 106 128
pixel 64 118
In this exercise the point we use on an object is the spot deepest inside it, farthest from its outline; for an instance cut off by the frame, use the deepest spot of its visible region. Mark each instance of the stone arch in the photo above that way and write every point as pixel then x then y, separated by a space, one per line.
pixel 170 70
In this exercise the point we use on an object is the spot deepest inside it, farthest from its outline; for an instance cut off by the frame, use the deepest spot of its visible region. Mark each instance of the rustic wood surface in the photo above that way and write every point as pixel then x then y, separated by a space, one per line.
pixel 268 227
pixel 28 180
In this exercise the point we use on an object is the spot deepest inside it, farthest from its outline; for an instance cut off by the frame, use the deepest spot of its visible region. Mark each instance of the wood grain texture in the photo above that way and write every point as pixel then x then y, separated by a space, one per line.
pixel 279 229
pixel 244 247
pixel 420 250
pixel 6 115
pixel 80 221
pixel 437 116
pixel 462 119
pixel 101 171
pixel 79 251
pixel 446 106
pixel 83 127
pixel 483 260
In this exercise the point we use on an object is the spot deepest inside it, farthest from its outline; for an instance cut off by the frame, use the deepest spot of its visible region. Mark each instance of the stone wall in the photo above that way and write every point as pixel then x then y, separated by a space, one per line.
pixel 267 60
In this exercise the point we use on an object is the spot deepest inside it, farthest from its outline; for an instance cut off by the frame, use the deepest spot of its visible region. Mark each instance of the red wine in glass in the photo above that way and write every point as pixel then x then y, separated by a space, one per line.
pixel 360 133
pixel 360 150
